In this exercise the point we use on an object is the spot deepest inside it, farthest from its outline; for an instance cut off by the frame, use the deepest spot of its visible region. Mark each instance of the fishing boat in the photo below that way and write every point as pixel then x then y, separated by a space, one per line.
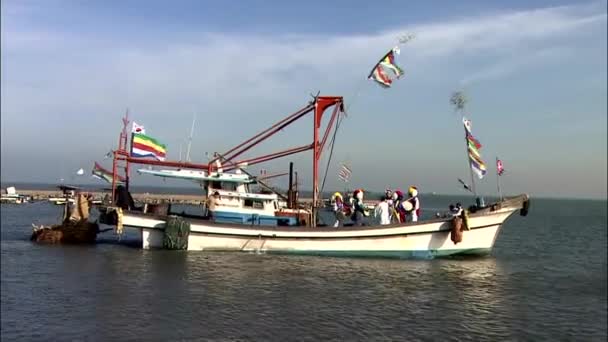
pixel 61 200
pixel 11 196
pixel 428 238
pixel 68 197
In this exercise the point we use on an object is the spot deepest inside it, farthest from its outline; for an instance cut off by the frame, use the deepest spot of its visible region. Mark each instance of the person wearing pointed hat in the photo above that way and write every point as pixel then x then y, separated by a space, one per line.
pixel 338 209
pixel 414 207
pixel 399 210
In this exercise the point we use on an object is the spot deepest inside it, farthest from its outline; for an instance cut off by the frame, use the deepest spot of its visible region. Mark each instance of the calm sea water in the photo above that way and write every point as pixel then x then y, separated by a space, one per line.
pixel 546 280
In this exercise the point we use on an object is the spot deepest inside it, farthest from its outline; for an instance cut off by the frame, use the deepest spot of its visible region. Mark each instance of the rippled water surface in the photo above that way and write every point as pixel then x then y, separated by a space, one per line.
pixel 546 280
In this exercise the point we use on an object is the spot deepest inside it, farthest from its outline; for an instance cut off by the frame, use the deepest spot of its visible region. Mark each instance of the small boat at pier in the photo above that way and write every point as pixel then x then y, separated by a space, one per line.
pixel 11 196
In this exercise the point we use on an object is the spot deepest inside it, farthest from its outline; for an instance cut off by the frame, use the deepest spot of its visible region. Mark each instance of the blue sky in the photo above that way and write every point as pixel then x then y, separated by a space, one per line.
pixel 534 71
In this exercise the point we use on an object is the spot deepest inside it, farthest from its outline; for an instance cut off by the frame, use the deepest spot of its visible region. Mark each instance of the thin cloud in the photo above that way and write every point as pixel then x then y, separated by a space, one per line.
pixel 233 77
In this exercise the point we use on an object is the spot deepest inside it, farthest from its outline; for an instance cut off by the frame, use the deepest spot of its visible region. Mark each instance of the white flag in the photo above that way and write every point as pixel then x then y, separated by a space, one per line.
pixel 467 124
pixel 80 172
pixel 138 128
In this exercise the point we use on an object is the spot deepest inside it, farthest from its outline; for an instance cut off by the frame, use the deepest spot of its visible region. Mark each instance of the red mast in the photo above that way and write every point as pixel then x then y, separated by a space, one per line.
pixel 318 105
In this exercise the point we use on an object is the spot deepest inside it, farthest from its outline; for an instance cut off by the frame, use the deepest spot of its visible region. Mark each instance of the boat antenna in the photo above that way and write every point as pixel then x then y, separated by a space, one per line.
pixel 190 138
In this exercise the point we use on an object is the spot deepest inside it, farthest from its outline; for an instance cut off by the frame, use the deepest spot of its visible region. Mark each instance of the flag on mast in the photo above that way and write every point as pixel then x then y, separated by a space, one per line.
pixel 473 147
pixel 136 128
pixel 145 146
pixel 100 173
pixel 344 173
pixel 499 167
pixel 387 63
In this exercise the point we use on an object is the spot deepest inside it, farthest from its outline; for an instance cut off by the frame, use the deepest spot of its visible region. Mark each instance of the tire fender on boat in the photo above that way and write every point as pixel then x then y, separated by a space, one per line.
pixel 525 208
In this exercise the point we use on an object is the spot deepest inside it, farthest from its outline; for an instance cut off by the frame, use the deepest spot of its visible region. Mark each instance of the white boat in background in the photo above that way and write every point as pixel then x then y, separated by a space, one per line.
pixel 11 196
pixel 60 200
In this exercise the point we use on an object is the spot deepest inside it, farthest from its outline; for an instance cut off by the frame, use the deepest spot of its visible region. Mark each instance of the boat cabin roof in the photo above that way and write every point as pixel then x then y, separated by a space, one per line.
pixel 200 176
pixel 65 188
pixel 266 197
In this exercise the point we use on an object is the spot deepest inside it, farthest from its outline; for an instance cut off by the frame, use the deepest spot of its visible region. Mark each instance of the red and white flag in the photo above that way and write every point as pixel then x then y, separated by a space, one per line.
pixel 138 128
pixel 499 168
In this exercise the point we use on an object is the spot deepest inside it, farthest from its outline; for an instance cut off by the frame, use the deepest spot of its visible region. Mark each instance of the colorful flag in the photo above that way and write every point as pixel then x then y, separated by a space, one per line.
pixel 378 72
pixel 379 76
pixel 138 128
pixel 478 166
pixel 105 175
pixel 344 173
pixel 389 62
pixel 473 147
pixel 499 168
pixel 146 146
pixel 467 124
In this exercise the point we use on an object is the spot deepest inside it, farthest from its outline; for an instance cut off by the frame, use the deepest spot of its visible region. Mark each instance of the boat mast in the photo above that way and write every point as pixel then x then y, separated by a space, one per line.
pixel 469 162
pixel 459 101
pixel 190 139
pixel 498 180
pixel 122 149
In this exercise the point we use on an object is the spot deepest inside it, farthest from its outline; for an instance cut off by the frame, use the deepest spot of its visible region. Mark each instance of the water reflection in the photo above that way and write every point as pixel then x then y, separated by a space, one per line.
pixel 546 280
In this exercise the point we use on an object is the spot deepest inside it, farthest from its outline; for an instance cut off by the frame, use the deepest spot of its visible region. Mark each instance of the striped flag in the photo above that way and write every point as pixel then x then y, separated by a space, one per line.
pixel 389 62
pixel 145 146
pixel 100 173
pixel 473 147
pixel 380 76
pixel 379 72
pixel 344 173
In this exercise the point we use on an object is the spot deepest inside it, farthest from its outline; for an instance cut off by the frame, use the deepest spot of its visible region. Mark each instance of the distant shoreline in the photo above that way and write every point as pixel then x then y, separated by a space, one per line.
pixel 194 191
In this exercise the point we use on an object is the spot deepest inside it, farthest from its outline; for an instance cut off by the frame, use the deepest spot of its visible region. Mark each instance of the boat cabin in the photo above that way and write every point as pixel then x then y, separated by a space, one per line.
pixel 230 199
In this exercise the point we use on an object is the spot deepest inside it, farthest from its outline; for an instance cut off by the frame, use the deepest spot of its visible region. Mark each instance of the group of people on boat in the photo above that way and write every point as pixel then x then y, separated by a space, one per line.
pixel 393 207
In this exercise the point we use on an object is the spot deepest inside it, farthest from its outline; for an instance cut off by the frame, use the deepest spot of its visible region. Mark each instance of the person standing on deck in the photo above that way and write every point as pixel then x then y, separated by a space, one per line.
pixel 414 213
pixel 212 203
pixel 458 209
pixel 399 211
pixel 339 209
pixel 359 211
pixel 382 211
pixel 388 194
pixel 389 199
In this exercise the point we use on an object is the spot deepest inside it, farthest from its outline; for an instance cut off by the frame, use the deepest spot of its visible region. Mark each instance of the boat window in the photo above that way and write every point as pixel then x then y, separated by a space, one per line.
pixel 276 206
pixel 253 203
pixel 229 186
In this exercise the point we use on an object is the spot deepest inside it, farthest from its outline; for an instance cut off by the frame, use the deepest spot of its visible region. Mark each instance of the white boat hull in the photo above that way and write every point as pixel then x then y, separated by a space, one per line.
pixel 419 240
